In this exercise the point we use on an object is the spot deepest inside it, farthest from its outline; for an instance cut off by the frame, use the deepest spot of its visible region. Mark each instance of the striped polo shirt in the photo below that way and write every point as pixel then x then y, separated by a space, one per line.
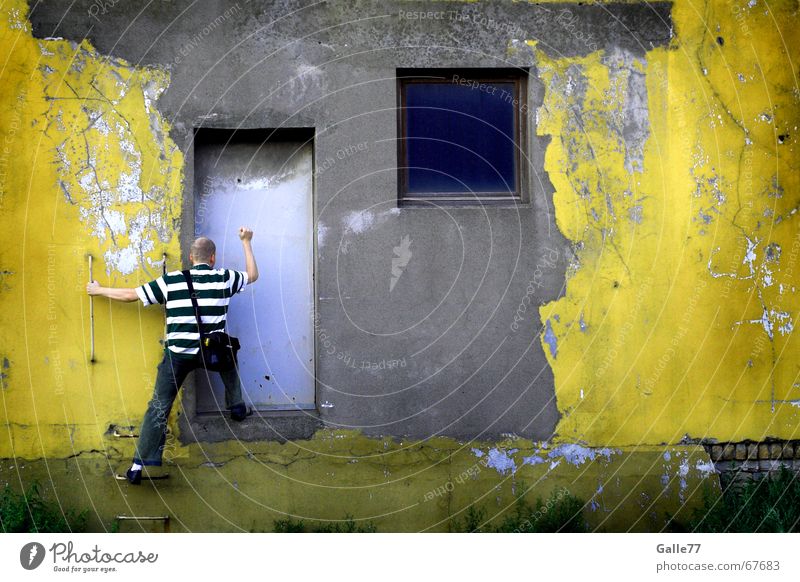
pixel 214 288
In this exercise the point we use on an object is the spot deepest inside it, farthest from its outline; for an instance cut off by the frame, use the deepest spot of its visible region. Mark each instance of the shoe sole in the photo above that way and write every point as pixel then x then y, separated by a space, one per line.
pixel 249 412
pixel 144 478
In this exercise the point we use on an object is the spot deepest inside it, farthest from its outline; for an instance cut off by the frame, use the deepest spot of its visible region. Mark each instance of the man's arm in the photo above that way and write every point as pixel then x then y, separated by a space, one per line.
pixel 250 261
pixel 116 293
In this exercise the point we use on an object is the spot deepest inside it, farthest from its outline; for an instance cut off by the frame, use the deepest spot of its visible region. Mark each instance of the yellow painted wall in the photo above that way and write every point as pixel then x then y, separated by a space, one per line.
pixel 678 314
pixel 87 167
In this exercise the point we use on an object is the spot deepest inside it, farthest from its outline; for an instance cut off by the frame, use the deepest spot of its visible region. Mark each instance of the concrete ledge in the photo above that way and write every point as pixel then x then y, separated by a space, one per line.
pixel 277 426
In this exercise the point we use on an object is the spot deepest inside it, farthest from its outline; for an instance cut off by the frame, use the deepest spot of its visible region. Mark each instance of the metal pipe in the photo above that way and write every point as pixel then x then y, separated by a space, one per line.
pixel 164 518
pixel 91 311
pixel 164 272
pixel 143 518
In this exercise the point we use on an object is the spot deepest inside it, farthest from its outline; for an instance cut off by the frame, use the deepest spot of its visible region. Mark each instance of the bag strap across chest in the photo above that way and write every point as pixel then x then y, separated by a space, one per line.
pixel 193 297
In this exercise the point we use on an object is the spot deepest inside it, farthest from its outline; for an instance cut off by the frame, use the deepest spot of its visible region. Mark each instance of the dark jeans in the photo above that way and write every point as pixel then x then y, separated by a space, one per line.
pixel 172 371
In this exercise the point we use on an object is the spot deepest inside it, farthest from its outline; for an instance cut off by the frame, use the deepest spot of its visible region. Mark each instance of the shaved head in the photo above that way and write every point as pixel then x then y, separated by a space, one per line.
pixel 201 250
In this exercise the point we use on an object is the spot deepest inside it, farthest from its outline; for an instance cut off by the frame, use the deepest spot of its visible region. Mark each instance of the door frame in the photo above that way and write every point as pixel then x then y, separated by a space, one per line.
pixel 269 425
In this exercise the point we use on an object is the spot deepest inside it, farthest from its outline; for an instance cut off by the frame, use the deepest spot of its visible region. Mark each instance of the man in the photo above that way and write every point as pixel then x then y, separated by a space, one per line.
pixel 214 288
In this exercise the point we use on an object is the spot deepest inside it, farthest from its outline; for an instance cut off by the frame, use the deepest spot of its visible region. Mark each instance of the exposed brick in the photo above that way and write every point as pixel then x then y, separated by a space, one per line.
pixel 739 463
pixel 741 452
pixel 725 466
pixel 750 465
pixel 776 474
pixel 727 452
pixel 769 465
pixel 775 450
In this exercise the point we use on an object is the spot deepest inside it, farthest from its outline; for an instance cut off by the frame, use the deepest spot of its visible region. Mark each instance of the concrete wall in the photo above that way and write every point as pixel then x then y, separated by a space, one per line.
pixel 663 181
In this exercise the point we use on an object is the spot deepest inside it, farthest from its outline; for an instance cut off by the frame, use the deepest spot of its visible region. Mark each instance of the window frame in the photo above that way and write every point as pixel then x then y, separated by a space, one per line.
pixel 519 77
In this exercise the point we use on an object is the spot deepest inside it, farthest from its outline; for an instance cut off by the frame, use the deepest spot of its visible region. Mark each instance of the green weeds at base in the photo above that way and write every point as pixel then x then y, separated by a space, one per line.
pixel 290 525
pixel 561 513
pixel 767 505
pixel 30 513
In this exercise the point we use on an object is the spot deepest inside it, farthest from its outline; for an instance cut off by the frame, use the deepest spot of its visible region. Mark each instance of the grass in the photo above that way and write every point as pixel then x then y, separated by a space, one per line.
pixel 768 505
pixel 348 525
pixel 29 512
pixel 562 512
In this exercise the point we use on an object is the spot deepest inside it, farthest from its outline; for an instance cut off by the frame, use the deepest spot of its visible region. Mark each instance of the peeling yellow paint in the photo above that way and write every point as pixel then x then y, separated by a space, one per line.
pixel 88 167
pixel 677 320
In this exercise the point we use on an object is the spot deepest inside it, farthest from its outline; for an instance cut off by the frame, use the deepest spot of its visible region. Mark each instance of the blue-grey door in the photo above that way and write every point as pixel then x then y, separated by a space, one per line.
pixel 268 187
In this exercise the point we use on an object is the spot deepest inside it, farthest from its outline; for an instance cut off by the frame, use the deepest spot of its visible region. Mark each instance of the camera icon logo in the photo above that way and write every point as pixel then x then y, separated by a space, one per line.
pixel 31 555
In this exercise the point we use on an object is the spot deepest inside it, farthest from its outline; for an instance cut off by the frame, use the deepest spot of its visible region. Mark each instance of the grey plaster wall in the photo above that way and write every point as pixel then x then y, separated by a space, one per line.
pixel 437 355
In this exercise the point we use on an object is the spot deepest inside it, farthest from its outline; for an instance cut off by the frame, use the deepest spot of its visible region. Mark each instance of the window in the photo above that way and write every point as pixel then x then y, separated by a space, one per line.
pixel 462 135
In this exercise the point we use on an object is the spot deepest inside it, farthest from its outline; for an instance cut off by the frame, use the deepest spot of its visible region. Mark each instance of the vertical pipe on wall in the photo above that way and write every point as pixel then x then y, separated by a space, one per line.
pixel 91 312
pixel 164 272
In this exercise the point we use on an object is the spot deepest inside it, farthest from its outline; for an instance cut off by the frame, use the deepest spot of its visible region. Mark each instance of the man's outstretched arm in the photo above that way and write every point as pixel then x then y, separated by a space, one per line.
pixel 116 293
pixel 250 261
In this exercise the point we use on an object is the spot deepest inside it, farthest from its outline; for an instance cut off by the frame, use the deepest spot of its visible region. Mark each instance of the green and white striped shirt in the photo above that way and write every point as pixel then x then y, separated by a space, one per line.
pixel 214 288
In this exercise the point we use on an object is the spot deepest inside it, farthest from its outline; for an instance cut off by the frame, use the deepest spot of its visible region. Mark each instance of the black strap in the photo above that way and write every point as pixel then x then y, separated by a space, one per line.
pixel 193 296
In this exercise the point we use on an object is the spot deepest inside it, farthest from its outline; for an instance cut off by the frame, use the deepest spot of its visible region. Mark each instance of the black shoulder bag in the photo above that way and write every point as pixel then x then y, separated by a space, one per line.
pixel 217 350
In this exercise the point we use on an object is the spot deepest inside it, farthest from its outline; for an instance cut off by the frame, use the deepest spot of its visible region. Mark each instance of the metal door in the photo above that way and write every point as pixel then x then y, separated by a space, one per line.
pixel 266 185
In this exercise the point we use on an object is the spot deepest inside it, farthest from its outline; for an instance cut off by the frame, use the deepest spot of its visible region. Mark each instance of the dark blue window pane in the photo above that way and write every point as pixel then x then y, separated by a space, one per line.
pixel 459 138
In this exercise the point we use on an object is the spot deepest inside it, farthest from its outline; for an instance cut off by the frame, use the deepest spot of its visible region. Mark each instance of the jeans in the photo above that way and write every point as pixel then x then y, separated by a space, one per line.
pixel 172 371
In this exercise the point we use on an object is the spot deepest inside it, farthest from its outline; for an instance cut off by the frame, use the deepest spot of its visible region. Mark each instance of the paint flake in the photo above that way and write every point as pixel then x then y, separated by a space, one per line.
pixel 550 339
